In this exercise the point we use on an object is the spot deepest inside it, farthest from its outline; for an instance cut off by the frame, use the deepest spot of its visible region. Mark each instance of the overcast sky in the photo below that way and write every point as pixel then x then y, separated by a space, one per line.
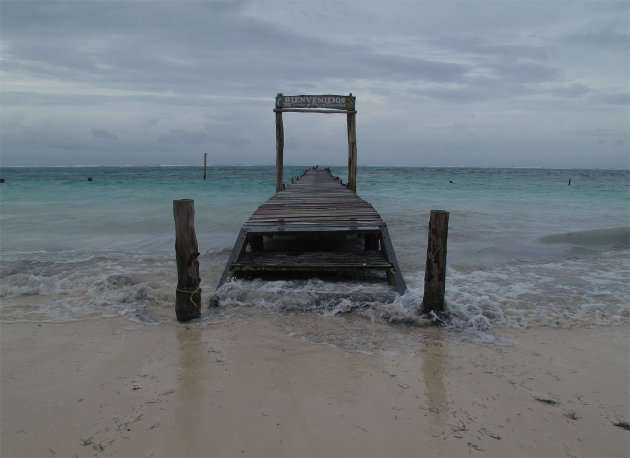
pixel 438 83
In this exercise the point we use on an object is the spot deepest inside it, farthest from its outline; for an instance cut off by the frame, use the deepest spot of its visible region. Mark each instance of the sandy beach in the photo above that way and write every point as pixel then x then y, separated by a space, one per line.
pixel 305 385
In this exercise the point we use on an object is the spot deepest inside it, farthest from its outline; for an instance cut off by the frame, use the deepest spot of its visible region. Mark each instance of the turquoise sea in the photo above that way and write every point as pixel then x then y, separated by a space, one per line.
pixel 525 248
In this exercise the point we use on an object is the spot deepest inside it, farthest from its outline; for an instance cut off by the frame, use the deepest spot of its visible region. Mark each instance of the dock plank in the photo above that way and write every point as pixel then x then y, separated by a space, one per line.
pixel 316 198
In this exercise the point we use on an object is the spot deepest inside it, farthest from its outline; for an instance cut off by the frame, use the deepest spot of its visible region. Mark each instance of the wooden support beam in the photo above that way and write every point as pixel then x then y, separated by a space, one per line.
pixel 308 110
pixel 352 151
pixel 435 272
pixel 279 149
pixel 394 276
pixel 188 292
pixel 239 248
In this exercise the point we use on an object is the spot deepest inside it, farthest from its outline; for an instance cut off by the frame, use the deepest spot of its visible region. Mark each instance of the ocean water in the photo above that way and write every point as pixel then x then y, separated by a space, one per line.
pixel 525 248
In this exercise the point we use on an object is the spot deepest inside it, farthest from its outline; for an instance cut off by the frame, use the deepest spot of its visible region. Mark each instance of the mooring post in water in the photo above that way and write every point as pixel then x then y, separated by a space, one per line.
pixel 435 272
pixel 205 164
pixel 188 292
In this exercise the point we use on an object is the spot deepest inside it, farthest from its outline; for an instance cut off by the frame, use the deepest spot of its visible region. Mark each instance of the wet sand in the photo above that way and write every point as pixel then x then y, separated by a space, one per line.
pixel 310 386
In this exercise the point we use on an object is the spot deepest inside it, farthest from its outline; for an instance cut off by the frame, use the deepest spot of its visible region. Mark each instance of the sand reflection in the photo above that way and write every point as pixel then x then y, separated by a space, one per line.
pixel 433 364
pixel 189 387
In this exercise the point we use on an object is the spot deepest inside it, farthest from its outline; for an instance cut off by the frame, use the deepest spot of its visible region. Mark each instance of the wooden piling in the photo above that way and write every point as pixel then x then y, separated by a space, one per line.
pixel 188 292
pixel 205 164
pixel 279 148
pixel 435 272
pixel 352 151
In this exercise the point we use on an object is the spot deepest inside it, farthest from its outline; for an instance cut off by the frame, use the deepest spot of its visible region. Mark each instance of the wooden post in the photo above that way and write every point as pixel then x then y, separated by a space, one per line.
pixel 205 164
pixel 188 292
pixel 352 151
pixel 279 149
pixel 435 272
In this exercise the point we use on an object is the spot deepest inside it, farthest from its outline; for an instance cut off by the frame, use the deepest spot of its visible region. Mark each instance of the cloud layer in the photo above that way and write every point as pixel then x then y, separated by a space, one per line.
pixel 448 83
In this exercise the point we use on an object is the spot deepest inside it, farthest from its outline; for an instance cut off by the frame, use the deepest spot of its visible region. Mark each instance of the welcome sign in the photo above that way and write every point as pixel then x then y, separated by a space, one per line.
pixel 329 102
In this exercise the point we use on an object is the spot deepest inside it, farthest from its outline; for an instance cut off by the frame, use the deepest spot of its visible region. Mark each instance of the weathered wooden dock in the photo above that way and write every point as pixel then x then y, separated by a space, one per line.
pixel 315 225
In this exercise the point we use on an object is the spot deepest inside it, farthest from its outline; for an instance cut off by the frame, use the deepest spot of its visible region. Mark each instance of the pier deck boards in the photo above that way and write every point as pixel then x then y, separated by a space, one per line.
pixel 314 225
pixel 317 199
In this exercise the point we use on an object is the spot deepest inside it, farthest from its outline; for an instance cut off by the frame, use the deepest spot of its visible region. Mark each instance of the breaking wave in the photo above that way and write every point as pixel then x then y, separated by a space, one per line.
pixel 67 286
pixel 614 237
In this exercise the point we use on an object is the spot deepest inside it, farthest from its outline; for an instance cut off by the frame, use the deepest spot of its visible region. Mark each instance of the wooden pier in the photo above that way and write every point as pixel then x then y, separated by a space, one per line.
pixel 315 225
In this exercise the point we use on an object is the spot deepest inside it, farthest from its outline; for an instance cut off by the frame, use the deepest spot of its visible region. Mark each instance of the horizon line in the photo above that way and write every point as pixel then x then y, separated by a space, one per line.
pixel 324 165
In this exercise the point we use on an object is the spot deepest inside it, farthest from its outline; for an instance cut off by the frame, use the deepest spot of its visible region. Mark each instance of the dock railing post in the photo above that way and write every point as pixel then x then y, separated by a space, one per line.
pixel 435 272
pixel 188 292
pixel 352 151
pixel 279 148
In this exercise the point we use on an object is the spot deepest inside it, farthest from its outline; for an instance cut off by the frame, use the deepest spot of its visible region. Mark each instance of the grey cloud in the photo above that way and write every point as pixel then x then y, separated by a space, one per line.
pixel 104 134
pixel 198 138
pixel 621 98
pixel 487 50
pixel 30 99
pixel 601 39
pixel 406 68
pixel 154 55
pixel 570 91
pixel 526 72
pixel 176 136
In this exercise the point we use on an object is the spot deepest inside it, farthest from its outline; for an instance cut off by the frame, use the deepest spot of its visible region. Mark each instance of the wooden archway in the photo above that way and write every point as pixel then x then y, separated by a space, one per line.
pixel 317 104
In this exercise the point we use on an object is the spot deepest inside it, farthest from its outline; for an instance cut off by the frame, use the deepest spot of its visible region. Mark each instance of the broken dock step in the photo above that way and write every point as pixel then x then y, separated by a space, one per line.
pixel 313 260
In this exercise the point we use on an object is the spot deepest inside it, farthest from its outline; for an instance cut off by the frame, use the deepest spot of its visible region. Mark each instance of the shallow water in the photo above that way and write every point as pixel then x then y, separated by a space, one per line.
pixel 524 247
